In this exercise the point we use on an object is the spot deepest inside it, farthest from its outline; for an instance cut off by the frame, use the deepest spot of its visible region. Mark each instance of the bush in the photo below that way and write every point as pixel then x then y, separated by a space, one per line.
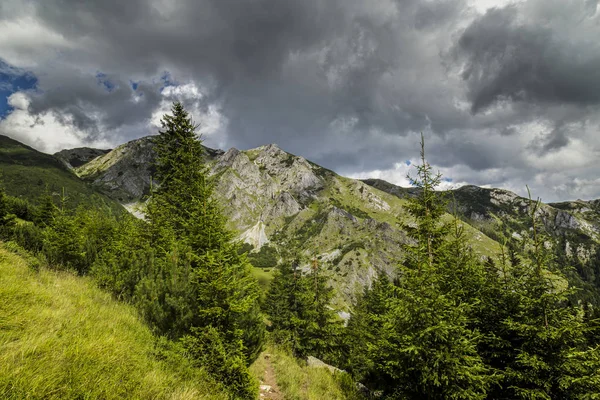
pixel 223 360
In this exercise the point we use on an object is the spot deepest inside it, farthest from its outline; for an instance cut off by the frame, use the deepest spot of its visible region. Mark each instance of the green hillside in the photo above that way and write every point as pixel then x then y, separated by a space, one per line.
pixel 62 338
pixel 27 172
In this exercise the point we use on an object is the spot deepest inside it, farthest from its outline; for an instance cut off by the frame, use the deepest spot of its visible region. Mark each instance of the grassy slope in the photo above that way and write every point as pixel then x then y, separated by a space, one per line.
pixel 62 338
pixel 297 381
pixel 26 172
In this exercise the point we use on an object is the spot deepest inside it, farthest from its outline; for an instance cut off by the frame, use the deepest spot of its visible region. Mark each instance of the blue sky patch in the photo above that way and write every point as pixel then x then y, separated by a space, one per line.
pixel 13 80
pixel 103 80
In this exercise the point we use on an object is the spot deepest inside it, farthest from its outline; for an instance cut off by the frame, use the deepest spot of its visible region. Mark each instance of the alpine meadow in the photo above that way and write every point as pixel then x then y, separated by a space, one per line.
pixel 300 200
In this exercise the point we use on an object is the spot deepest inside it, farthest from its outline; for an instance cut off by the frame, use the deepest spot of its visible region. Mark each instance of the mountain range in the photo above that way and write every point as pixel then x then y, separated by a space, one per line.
pixel 285 207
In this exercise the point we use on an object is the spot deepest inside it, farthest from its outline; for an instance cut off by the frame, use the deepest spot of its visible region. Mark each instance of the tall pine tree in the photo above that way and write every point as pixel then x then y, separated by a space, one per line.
pixel 200 287
pixel 535 342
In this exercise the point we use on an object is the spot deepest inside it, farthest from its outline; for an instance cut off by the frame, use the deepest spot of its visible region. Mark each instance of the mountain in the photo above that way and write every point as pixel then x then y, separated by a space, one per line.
pixel 572 227
pixel 495 211
pixel 74 158
pixel 27 172
pixel 283 207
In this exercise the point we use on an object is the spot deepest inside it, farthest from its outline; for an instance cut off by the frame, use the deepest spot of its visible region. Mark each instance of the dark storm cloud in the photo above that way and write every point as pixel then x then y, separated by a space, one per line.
pixel 537 52
pixel 346 83
pixel 280 69
pixel 106 102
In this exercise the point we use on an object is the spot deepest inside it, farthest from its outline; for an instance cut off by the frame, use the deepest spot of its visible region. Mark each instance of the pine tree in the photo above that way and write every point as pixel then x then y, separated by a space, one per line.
pixel 47 210
pixel 532 337
pixel 199 284
pixel 6 218
pixel 363 329
pixel 183 201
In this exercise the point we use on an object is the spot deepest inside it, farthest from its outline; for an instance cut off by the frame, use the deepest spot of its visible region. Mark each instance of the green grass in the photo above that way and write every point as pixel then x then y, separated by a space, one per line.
pixel 63 338
pixel 264 277
pixel 27 172
pixel 297 381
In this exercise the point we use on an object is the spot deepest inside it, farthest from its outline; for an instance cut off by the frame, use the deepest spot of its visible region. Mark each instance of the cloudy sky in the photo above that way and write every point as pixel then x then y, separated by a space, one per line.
pixel 506 92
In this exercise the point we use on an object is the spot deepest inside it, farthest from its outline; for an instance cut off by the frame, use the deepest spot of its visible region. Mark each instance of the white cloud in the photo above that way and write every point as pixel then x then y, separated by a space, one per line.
pixel 48 133
pixel 44 132
pixel 483 5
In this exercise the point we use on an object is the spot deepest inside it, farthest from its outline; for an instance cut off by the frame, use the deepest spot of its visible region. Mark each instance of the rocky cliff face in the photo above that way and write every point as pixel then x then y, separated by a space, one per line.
pixel 574 226
pixel 124 173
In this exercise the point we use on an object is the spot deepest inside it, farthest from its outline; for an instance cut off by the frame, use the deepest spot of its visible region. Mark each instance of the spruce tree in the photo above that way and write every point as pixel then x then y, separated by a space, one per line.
pixel 47 209
pixel 183 201
pixel 363 329
pixel 423 346
pixel 535 342
pixel 199 285
pixel 6 218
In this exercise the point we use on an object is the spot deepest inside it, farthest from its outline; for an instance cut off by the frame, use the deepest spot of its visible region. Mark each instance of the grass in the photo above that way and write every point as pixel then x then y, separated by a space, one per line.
pixel 264 277
pixel 298 381
pixel 63 338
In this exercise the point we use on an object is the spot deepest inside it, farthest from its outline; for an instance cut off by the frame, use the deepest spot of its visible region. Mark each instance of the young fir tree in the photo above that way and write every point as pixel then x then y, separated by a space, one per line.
pixel 47 209
pixel 364 326
pixel 183 202
pixel 423 347
pixel 199 286
pixel 6 217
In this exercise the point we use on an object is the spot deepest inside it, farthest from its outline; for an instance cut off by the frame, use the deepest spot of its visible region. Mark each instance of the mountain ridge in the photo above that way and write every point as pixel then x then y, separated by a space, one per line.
pixel 284 207
pixel 278 201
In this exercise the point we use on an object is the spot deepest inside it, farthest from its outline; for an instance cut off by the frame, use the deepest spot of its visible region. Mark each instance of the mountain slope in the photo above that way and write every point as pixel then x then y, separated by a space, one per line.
pixel 286 207
pixel 572 228
pixel 26 173
pixel 86 344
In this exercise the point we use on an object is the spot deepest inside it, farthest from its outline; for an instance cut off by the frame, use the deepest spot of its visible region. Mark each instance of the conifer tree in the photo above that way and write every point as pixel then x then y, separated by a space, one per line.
pixel 298 306
pixel 47 210
pixel 363 329
pixel 6 218
pixel 532 337
pixel 183 201
pixel 199 285
pixel 424 347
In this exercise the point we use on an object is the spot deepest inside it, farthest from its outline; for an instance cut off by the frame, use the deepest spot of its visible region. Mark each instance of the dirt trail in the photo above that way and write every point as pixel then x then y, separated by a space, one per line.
pixel 268 388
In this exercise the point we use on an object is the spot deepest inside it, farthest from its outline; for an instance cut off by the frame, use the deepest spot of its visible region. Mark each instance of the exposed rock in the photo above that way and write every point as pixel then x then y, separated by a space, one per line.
pixel 255 236
pixel 316 363
pixel 499 196
pixel 74 158
pixel 124 173
pixel 271 196
pixel 284 206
